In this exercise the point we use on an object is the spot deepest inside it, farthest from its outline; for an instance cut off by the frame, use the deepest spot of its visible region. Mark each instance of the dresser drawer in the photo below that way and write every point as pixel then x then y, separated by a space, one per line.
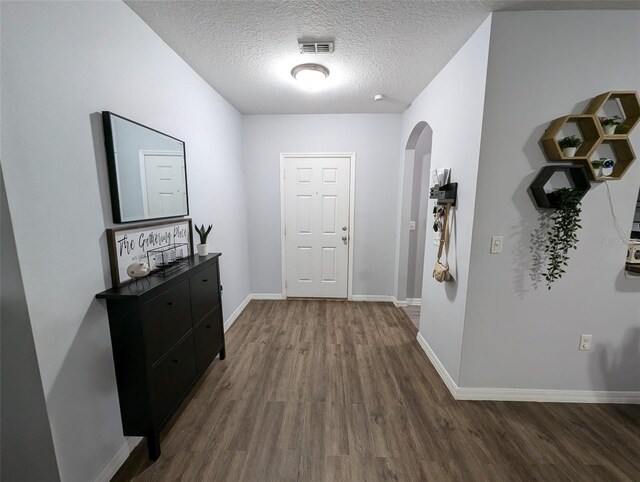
pixel 160 345
pixel 208 338
pixel 205 293
pixel 166 319
pixel 171 378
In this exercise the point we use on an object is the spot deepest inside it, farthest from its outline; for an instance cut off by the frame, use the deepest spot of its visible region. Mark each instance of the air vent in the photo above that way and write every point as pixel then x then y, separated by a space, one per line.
pixel 308 47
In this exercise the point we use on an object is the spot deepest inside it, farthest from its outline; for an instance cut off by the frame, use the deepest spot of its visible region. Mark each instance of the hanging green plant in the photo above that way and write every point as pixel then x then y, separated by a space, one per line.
pixel 562 237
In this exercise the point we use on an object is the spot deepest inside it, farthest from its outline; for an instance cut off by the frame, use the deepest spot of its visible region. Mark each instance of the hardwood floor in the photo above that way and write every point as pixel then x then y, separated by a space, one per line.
pixel 341 391
pixel 413 312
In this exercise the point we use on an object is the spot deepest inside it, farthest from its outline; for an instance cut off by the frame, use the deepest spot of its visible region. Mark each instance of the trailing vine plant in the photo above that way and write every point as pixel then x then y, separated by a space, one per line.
pixel 562 237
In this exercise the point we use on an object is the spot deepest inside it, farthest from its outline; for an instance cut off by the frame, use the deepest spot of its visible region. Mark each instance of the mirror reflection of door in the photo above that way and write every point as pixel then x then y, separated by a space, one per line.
pixel 163 183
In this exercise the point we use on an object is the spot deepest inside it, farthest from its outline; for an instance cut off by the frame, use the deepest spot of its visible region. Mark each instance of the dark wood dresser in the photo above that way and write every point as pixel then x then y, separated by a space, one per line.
pixel 165 331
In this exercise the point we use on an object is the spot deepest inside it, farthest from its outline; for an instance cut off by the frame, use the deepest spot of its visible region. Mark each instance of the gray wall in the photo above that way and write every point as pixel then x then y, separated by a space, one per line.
pixel 419 201
pixel 424 227
pixel 374 139
pixel 543 65
pixel 452 104
pixel 61 64
pixel 25 434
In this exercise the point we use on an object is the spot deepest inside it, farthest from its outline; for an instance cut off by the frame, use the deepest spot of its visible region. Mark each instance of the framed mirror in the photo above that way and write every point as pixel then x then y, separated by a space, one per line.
pixel 147 171
pixel 632 266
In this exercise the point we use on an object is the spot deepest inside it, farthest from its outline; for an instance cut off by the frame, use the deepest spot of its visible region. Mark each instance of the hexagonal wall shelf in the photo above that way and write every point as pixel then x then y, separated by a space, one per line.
pixel 629 105
pixel 624 157
pixel 577 176
pixel 590 131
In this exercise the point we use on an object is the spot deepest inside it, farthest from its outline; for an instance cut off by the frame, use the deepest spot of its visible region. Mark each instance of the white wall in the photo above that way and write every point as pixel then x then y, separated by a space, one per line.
pixel 374 139
pixel 452 104
pixel 63 63
pixel 543 65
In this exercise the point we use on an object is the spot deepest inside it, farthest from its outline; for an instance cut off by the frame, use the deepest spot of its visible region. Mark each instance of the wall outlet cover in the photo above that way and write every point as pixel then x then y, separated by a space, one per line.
pixel 585 342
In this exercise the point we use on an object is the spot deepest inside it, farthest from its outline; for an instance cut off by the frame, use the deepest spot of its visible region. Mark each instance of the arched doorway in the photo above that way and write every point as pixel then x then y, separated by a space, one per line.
pixel 414 218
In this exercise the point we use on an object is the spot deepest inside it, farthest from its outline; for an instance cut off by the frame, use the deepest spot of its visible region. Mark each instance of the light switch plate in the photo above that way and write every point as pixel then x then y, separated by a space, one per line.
pixel 412 225
pixel 496 244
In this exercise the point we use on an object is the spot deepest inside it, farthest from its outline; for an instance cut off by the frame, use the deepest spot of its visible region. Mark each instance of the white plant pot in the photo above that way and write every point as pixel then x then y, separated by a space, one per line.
pixel 610 130
pixel 203 249
pixel 569 151
pixel 606 171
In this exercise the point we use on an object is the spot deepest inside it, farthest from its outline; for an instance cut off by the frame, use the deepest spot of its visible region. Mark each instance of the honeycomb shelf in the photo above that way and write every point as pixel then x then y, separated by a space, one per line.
pixel 590 132
pixel 577 176
pixel 629 105
pixel 593 137
pixel 624 157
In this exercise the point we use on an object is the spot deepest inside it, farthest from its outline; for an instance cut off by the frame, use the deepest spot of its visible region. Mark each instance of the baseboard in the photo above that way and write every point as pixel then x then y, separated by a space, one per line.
pixel 408 302
pixel 525 394
pixel 109 470
pixel 268 296
pixel 542 395
pixel 442 371
pixel 374 298
pixel 234 316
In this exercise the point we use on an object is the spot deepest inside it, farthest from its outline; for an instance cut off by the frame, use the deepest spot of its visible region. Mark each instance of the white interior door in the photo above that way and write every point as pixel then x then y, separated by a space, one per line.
pixel 165 193
pixel 317 226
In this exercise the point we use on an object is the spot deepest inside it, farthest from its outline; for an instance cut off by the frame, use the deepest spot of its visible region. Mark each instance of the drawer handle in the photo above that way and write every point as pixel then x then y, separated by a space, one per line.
pixel 208 326
pixel 205 280
pixel 169 303
pixel 176 361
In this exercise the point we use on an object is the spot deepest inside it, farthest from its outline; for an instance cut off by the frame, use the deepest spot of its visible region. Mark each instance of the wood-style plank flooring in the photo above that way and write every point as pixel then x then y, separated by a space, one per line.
pixel 341 391
pixel 413 312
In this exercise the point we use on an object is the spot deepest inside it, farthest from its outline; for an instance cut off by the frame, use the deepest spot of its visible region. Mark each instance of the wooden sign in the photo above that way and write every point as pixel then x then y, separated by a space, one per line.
pixel 129 244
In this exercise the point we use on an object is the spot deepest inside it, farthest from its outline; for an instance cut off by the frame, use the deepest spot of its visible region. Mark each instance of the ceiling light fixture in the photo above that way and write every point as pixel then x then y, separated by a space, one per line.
pixel 310 76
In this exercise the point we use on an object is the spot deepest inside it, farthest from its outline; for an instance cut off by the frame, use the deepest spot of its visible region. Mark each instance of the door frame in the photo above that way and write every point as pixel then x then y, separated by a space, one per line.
pixel 352 189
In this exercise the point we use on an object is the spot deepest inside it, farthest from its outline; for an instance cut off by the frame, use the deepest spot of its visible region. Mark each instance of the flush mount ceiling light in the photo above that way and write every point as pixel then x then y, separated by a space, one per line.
pixel 310 76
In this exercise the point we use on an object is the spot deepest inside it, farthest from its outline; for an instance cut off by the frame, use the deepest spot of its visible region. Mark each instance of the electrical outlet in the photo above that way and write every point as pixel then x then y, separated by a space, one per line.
pixel 585 342
pixel 412 225
pixel 496 244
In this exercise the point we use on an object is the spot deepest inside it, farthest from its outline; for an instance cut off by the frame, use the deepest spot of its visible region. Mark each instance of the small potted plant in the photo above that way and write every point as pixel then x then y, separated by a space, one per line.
pixel 569 145
pixel 203 247
pixel 610 124
pixel 603 166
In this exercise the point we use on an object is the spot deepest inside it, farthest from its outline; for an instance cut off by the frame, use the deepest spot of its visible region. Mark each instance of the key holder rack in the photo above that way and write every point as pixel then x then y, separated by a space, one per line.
pixel 445 194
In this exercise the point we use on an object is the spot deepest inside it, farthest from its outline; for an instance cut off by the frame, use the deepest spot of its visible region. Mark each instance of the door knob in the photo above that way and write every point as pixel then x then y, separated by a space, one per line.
pixel 344 228
pixel 344 239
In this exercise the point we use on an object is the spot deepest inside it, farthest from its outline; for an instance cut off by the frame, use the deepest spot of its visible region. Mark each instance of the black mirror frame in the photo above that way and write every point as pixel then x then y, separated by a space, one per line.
pixel 113 173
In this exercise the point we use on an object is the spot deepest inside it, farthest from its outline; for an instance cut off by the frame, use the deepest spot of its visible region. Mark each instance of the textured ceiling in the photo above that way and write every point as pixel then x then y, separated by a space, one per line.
pixel 246 49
